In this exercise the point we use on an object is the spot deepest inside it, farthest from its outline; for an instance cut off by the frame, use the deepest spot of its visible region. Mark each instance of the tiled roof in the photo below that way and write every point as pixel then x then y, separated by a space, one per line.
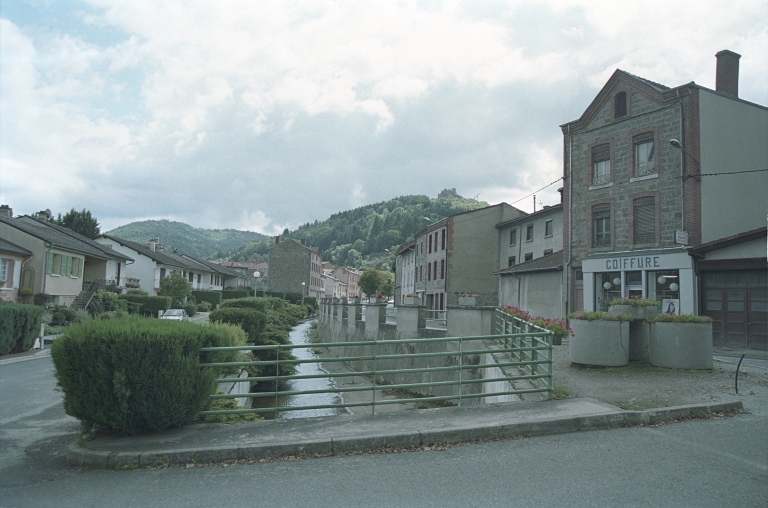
pixel 547 263
pixel 653 84
pixel 159 257
pixel 7 246
pixel 736 239
pixel 62 238
pixel 215 267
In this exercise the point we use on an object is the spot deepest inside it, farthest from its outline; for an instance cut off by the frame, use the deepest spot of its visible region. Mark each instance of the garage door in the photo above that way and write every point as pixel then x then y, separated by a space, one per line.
pixel 737 302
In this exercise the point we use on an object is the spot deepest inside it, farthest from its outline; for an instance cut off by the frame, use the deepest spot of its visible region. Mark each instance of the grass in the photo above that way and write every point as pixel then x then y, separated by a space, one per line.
pixel 560 392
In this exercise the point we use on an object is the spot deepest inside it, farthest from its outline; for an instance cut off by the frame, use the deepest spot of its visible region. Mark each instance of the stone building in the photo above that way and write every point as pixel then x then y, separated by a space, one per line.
pixel 654 173
pixel 295 267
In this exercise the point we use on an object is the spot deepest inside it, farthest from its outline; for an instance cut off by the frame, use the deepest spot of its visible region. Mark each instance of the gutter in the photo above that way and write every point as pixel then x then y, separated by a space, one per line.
pixel 567 263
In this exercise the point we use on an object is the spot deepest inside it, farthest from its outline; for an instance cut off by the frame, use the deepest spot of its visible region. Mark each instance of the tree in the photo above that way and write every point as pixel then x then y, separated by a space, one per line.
pixel 371 281
pixel 176 286
pixel 388 288
pixel 80 222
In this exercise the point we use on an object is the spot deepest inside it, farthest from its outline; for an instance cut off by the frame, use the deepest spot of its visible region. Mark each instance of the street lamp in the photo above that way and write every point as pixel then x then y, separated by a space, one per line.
pixel 303 285
pixel 675 143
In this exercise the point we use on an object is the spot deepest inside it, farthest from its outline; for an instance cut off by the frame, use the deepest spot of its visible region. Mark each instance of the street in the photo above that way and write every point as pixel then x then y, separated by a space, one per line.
pixel 716 462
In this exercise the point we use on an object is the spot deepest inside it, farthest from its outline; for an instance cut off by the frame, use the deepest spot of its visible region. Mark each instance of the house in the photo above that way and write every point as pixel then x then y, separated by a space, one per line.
pixel 405 263
pixel 664 198
pixel 295 267
pixel 62 262
pixel 531 276
pixel 228 277
pixel 334 288
pixel 459 254
pixel 349 276
pixel 12 260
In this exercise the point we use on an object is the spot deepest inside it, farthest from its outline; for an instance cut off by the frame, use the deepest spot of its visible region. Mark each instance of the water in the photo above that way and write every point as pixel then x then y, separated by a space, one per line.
pixel 298 335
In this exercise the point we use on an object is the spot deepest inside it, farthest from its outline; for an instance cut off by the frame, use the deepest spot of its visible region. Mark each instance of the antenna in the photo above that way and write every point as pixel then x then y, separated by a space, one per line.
pixel 477 195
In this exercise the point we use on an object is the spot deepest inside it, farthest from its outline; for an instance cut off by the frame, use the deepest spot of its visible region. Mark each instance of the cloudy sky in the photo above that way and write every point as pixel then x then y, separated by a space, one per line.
pixel 265 115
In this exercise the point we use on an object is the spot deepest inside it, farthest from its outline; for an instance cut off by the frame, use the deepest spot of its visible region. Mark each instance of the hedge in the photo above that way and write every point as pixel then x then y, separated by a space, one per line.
pixel 251 320
pixel 291 297
pixel 153 303
pixel 19 326
pixel 212 297
pixel 229 294
pixel 311 301
pixel 262 304
pixel 132 374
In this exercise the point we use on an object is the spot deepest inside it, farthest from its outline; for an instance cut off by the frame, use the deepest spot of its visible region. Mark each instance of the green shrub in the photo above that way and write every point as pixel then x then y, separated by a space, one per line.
pixel 19 326
pixel 212 297
pixel 106 301
pixel 191 308
pixel 153 303
pixel 134 374
pixel 599 316
pixel 136 292
pixel 228 404
pixel 134 308
pixel 252 321
pixel 679 318
pixel 635 302
pixel 230 294
pixel 260 304
pixel 203 307
pixel 311 301
pixel 42 299
pixel 81 316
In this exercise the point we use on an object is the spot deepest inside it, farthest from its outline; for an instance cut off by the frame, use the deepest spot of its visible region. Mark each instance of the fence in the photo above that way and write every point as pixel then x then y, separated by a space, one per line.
pixel 438 369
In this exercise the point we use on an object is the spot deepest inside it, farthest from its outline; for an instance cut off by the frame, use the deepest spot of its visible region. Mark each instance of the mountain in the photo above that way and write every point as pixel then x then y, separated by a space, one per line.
pixel 184 238
pixel 359 237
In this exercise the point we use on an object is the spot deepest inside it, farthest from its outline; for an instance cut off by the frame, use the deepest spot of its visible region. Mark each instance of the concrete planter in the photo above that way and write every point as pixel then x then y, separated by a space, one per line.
pixel 638 312
pixel 373 299
pixel 468 301
pixel 681 345
pixel 411 300
pixel 604 343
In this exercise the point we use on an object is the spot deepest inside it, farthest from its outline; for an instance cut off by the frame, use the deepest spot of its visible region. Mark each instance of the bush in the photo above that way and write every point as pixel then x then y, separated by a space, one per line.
pixel 136 292
pixel 106 301
pixel 191 308
pixel 311 301
pixel 203 307
pixel 679 318
pixel 599 316
pixel 635 302
pixel 228 404
pixel 235 293
pixel 252 321
pixel 260 304
pixel 134 374
pixel 19 326
pixel 42 299
pixel 212 297
pixel 153 303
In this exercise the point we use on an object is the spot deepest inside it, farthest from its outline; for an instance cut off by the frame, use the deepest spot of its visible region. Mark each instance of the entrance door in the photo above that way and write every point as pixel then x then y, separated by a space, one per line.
pixel 737 302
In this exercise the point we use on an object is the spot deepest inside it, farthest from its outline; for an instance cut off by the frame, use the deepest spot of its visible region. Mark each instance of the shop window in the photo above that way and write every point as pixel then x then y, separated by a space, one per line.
pixel 644 154
pixel 634 283
pixel 644 220
pixel 601 164
pixel 607 288
pixel 601 225
pixel 664 286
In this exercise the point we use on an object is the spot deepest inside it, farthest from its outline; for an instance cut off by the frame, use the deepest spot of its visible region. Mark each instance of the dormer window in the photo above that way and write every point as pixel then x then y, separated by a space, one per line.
pixel 620 105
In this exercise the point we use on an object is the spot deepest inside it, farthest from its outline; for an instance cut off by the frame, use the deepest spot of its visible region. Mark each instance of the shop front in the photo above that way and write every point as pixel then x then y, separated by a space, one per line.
pixel 664 275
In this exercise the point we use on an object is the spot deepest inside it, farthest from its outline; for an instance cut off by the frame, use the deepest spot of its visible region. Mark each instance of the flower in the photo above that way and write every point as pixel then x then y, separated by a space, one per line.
pixel 635 301
pixel 557 326
pixel 600 315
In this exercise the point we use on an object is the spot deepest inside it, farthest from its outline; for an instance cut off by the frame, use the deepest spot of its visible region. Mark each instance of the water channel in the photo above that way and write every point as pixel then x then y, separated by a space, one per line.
pixel 298 335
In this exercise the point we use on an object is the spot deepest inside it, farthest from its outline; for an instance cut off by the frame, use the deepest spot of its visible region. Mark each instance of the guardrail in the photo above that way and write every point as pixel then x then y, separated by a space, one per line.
pixel 524 356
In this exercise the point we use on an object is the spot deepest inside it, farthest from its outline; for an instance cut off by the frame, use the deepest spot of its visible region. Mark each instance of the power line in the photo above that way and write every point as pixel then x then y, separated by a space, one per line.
pixel 534 192
pixel 732 172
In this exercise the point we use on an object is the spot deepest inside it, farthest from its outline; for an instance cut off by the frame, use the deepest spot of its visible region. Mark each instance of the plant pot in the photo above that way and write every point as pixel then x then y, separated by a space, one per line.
pixel 411 300
pixel 681 345
pixel 604 343
pixel 373 299
pixel 638 312
pixel 468 301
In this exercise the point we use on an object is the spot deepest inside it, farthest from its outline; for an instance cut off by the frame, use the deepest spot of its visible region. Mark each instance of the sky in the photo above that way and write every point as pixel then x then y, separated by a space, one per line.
pixel 265 115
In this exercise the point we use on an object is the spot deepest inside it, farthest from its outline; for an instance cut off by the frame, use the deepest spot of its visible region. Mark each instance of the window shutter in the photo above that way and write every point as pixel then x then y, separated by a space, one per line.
pixel 49 268
pixel 601 153
pixel 80 263
pixel 9 273
pixel 643 138
pixel 645 220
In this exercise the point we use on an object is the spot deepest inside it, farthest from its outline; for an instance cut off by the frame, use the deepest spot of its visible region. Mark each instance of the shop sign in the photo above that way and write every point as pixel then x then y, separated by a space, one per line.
pixel 681 237
pixel 633 263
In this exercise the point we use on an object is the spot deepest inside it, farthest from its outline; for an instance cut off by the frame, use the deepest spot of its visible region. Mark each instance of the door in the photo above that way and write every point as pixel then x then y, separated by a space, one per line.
pixel 737 302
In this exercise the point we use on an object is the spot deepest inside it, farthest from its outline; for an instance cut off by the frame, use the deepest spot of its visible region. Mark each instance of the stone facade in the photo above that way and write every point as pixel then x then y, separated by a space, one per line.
pixel 291 263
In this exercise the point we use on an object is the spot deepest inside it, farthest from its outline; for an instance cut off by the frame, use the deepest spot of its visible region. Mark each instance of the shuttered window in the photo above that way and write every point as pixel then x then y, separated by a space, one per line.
pixel 645 220
pixel 601 164
pixel 601 230
pixel 644 154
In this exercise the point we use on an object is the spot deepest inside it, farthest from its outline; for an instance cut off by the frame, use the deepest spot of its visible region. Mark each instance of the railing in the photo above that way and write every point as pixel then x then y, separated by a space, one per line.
pixel 524 344
pixel 523 357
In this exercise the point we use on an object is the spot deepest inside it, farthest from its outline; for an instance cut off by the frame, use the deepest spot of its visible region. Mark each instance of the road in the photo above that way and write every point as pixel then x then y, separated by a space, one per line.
pixel 720 462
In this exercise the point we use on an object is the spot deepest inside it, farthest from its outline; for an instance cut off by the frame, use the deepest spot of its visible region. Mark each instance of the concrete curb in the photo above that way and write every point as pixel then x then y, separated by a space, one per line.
pixel 41 353
pixel 82 456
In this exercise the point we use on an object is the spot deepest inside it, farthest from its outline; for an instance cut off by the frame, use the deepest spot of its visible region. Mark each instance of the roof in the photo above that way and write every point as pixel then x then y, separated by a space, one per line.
pixel 214 267
pixel 406 246
pixel 7 246
pixel 61 237
pixel 547 263
pixel 728 241
pixel 525 218
pixel 159 257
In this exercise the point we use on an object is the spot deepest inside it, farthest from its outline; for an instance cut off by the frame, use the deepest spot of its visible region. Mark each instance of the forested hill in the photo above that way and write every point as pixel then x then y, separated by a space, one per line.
pixel 358 237
pixel 184 238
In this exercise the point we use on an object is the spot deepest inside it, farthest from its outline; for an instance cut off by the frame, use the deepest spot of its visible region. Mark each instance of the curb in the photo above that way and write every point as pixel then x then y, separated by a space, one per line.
pixel 41 353
pixel 82 456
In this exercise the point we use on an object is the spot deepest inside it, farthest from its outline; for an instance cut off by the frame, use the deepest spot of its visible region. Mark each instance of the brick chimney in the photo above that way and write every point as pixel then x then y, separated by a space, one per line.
pixel 727 77
pixel 277 239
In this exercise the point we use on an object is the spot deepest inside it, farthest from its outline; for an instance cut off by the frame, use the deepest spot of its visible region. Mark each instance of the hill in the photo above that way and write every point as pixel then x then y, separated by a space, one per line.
pixel 359 237
pixel 183 237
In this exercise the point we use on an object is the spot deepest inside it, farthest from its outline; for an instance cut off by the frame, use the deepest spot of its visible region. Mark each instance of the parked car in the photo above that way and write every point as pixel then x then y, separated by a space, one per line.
pixel 175 315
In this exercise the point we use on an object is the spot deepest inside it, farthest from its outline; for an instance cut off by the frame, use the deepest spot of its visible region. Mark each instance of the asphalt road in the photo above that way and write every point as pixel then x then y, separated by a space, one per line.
pixel 721 462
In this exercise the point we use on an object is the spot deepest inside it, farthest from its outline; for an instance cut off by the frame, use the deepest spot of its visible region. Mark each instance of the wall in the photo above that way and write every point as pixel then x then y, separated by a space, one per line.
pixel 289 266
pixel 143 268
pixel 734 137
pixel 33 244
pixel 536 292
pixel 540 242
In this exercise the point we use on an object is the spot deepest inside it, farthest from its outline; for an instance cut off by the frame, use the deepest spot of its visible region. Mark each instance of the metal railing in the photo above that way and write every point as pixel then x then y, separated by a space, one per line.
pixel 524 356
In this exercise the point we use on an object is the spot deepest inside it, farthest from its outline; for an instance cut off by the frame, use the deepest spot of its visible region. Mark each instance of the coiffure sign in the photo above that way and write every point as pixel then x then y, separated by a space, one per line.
pixel 633 263
pixel 639 261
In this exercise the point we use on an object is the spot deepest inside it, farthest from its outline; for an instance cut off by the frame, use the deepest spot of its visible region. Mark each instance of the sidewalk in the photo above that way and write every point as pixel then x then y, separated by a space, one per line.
pixel 355 433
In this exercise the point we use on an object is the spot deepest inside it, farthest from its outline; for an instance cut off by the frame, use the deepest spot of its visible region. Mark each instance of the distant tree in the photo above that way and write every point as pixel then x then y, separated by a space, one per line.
pixel 353 259
pixel 388 288
pixel 176 286
pixel 371 281
pixel 80 222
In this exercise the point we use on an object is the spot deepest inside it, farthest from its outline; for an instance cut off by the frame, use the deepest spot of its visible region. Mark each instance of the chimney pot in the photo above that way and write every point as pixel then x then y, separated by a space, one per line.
pixel 727 74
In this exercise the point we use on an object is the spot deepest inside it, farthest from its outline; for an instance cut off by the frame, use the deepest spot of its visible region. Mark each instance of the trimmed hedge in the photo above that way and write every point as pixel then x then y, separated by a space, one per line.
pixel 291 297
pixel 262 304
pixel 154 303
pixel 212 297
pixel 311 301
pixel 230 294
pixel 133 374
pixel 19 326
pixel 251 320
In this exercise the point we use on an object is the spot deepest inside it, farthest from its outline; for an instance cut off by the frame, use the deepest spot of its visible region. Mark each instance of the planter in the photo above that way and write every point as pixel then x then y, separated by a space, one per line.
pixel 411 300
pixel 604 343
pixel 373 299
pixel 353 301
pixel 681 345
pixel 638 340
pixel 638 312
pixel 468 301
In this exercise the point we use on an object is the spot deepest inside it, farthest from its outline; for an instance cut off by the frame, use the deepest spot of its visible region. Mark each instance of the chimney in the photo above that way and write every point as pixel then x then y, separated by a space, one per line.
pixel 727 77
pixel 277 239
pixel 303 241
pixel 6 211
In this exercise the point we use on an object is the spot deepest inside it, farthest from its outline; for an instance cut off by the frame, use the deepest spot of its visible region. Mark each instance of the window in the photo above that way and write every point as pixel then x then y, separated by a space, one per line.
pixel 61 264
pixel 442 268
pixel 511 261
pixel 513 237
pixel 644 220
pixel 442 243
pixel 191 277
pixel 620 105
pixel 548 228
pixel 601 229
pixel 429 271
pixel 529 233
pixel 644 155
pixel 429 249
pixel 435 268
pixel 601 164
pixel 4 273
pixel 547 252
pixel 529 256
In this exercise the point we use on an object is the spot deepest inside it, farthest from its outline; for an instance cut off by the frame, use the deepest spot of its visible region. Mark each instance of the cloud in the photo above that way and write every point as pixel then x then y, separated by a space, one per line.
pixel 268 115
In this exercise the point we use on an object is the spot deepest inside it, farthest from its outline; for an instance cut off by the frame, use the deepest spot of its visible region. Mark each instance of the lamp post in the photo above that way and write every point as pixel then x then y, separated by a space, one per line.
pixel 303 285
pixel 675 143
